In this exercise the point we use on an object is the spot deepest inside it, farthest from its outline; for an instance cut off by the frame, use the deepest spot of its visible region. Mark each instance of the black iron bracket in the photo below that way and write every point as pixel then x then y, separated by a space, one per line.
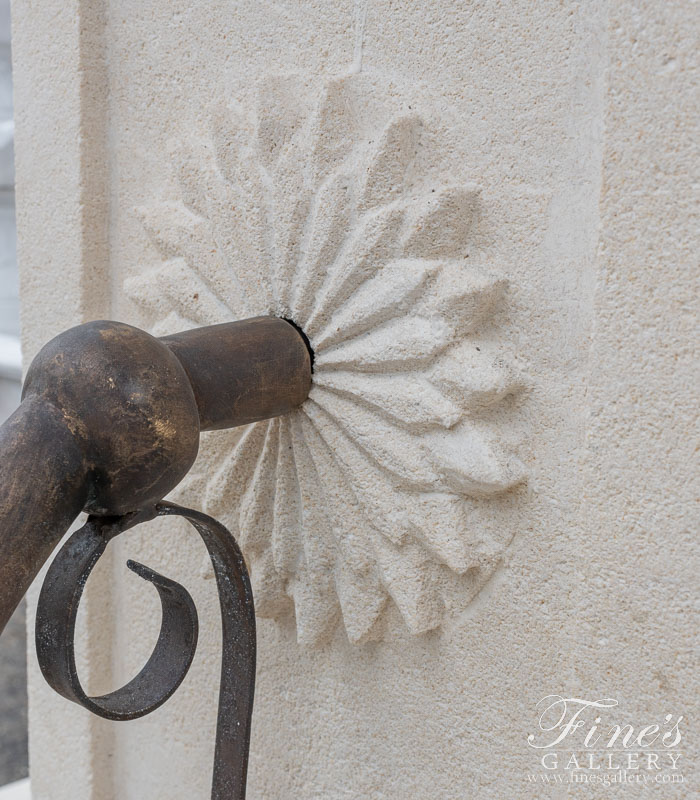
pixel 109 424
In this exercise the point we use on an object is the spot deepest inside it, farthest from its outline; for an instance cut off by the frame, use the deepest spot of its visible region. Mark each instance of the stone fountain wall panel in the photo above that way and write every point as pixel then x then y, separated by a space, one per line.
pixel 436 192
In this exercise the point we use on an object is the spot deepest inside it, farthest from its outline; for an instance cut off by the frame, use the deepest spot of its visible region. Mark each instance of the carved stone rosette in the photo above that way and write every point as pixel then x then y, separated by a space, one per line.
pixel 311 208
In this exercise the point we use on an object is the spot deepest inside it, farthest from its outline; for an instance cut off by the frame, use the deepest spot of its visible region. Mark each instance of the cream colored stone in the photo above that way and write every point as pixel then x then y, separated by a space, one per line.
pixel 573 120
pixel 325 219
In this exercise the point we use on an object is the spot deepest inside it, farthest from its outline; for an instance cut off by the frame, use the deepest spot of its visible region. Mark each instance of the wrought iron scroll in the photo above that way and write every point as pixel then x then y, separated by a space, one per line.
pixel 172 656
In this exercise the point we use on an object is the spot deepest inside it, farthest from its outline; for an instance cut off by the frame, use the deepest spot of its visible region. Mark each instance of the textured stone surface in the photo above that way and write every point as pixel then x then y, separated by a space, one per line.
pixel 573 120
pixel 13 699
pixel 9 282
pixel 379 486
pixel 13 661
pixel 13 665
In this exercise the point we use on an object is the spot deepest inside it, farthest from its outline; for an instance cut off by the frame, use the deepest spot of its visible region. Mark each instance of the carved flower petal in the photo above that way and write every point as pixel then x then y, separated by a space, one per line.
pixel 256 504
pixel 236 471
pixel 409 400
pixel 372 487
pixel 162 289
pixel 325 237
pixel 231 133
pixel 396 149
pixel 239 222
pixel 291 202
pixel 269 587
pixel 473 378
pixel 315 605
pixel 333 127
pixel 396 451
pixel 281 114
pixel 295 199
pixel 463 297
pixel 400 344
pixel 286 537
pixel 319 548
pixel 316 602
pixel 390 293
pixel 351 529
pixel 173 323
pixel 441 226
pixel 179 233
pixel 359 590
pixel 373 242
pixel 362 598
pixel 441 523
pixel 195 170
pixel 171 227
pixel 412 580
pixel 470 464
pixel 139 289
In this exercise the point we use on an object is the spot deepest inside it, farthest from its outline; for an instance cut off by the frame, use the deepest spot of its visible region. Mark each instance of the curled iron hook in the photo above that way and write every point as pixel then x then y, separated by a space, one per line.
pixel 177 642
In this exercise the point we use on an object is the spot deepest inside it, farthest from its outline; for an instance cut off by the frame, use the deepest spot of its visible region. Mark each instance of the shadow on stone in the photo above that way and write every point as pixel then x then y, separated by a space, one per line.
pixel 13 699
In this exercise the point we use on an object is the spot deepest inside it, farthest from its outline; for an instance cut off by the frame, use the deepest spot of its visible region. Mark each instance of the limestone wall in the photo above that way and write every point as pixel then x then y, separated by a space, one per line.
pixel 483 215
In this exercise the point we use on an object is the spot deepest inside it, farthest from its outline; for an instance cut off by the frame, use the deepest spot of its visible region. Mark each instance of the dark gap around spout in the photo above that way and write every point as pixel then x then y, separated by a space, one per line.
pixel 305 338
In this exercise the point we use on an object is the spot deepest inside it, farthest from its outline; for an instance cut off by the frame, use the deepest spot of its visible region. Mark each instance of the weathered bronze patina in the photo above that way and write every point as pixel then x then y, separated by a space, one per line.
pixel 109 424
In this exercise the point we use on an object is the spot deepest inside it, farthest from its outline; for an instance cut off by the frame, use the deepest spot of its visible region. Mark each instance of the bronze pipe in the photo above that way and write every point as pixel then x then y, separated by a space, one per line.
pixel 43 488
pixel 266 372
pixel 110 419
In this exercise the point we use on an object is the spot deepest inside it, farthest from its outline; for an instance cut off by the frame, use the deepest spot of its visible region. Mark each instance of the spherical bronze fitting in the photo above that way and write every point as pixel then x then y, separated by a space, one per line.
pixel 128 401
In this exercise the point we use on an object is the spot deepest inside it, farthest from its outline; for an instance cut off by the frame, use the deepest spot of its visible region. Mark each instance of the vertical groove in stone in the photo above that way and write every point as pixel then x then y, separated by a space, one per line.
pixel 61 94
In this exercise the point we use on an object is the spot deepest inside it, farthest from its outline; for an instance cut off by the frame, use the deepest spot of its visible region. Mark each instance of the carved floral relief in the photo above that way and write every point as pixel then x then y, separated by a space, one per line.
pixel 308 207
